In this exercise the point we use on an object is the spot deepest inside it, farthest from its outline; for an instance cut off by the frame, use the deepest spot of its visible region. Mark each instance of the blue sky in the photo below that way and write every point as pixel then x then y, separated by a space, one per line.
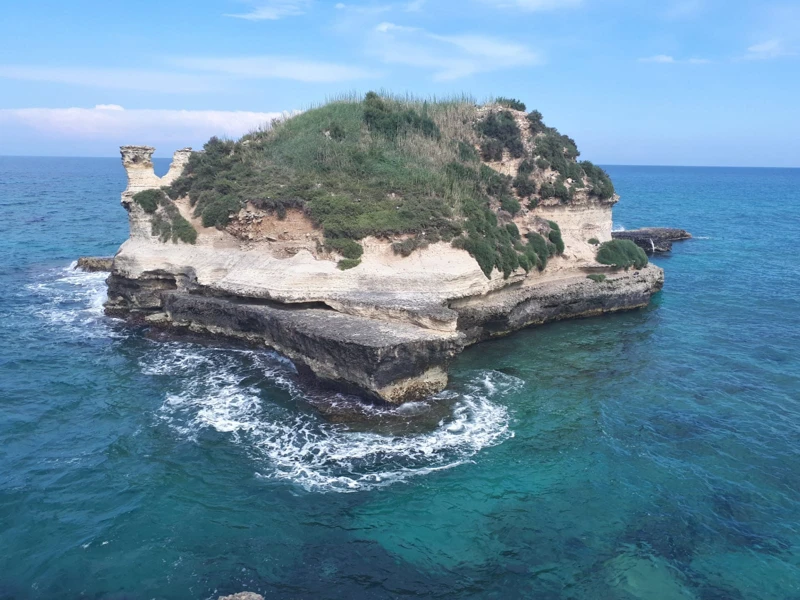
pixel 676 82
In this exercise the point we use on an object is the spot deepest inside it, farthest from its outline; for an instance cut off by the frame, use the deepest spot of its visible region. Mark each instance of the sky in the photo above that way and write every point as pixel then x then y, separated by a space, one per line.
pixel 656 82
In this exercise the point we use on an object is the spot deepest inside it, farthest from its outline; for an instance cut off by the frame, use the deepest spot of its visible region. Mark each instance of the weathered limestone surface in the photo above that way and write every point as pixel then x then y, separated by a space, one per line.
pixel 388 328
pixel 94 264
pixel 653 240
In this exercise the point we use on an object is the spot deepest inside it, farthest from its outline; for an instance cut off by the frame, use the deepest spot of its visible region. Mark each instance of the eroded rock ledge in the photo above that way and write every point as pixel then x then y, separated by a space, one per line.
pixel 653 240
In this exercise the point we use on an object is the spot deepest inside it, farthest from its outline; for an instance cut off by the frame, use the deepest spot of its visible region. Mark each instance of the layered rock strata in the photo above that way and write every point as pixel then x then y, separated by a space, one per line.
pixel 387 329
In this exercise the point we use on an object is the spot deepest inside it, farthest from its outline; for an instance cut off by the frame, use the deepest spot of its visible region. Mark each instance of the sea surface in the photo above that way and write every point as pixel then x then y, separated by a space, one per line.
pixel 653 454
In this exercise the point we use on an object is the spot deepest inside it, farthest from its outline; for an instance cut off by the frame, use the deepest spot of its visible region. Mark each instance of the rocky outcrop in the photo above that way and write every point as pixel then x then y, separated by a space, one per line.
pixel 95 264
pixel 243 596
pixel 386 329
pixel 653 240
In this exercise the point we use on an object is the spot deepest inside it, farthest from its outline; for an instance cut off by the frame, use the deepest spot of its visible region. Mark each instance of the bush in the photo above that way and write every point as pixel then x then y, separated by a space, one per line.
pixel 346 247
pixel 348 263
pixel 501 127
pixel 149 200
pixel 496 184
pixel 510 204
pixel 168 223
pixel 492 150
pixel 408 245
pixel 513 230
pixel 561 192
pixel 466 152
pixel 622 254
pixel 524 186
pixel 217 212
pixel 525 168
pixel 594 241
pixel 596 277
pixel 547 191
pixel 511 103
pixel 601 182
pixel 555 237
pixel 536 123
pixel 539 245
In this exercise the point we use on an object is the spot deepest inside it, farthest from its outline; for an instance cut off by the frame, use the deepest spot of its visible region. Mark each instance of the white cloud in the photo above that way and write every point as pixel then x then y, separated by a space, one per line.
pixel 774 48
pixel 272 10
pixel 535 5
pixel 113 122
pixel 665 59
pixel 448 56
pixel 119 79
pixel 659 58
pixel 274 67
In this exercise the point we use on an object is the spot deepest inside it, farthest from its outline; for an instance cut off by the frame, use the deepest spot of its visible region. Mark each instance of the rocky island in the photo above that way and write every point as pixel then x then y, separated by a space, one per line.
pixel 372 239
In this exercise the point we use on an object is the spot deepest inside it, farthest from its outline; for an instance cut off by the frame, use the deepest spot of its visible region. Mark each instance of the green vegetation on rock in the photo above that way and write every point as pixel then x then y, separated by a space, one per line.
pixel 511 103
pixel 149 200
pixel 389 166
pixel 596 277
pixel 621 253
pixel 594 241
pixel 167 222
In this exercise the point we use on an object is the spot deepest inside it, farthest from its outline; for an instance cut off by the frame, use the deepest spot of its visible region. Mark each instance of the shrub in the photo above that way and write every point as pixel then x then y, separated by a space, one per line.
pixel 511 103
pixel 542 163
pixel 217 213
pixel 622 254
pixel 596 277
pixel 502 128
pixel 348 263
pixel 149 200
pixel 601 182
pixel 513 230
pixel 496 184
pixel 492 150
pixel 524 186
pixel 594 241
pixel 555 237
pixel 536 123
pixel 510 204
pixel 525 168
pixel 547 191
pixel 561 192
pixel 539 245
pixel 346 247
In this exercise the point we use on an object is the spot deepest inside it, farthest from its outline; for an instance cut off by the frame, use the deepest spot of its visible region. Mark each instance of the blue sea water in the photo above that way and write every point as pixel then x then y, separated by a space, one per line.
pixel 653 454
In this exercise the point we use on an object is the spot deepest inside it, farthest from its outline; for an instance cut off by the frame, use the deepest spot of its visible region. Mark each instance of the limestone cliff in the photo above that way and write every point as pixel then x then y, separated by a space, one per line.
pixel 269 269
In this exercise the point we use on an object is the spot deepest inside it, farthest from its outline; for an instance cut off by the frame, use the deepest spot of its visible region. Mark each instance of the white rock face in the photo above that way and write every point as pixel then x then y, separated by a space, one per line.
pixel 384 285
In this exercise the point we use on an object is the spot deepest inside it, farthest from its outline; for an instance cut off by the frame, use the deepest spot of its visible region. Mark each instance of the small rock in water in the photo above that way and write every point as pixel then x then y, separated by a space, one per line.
pixel 94 264
pixel 243 596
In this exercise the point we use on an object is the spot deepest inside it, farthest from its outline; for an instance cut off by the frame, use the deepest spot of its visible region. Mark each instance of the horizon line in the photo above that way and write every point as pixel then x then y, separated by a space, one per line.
pixel 599 163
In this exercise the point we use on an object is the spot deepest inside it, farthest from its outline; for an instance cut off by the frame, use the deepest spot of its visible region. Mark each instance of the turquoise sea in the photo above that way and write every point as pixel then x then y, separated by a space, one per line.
pixel 653 454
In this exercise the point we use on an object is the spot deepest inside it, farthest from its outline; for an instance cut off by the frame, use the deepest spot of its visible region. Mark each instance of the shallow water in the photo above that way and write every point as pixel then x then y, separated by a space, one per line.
pixel 651 454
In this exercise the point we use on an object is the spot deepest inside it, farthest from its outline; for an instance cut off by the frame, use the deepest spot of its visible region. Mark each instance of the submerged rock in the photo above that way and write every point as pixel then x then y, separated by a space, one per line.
pixel 653 240
pixel 94 264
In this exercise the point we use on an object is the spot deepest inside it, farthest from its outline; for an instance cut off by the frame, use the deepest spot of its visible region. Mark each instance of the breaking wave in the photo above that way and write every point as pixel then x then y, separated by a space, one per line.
pixel 224 391
pixel 321 441
pixel 71 299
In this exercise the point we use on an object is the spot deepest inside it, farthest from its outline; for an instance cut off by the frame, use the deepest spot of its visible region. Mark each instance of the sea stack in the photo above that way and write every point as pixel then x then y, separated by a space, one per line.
pixel 371 240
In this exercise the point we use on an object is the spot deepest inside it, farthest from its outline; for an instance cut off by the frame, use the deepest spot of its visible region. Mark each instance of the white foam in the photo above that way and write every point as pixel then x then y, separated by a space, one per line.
pixel 71 299
pixel 299 446
pixel 618 227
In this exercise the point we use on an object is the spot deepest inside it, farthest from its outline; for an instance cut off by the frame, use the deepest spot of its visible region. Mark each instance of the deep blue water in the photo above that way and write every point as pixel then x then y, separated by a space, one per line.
pixel 652 454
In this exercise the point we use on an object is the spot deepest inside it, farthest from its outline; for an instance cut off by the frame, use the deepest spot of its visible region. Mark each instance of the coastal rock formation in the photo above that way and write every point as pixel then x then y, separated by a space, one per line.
pixel 95 264
pixel 243 596
pixel 653 240
pixel 383 314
